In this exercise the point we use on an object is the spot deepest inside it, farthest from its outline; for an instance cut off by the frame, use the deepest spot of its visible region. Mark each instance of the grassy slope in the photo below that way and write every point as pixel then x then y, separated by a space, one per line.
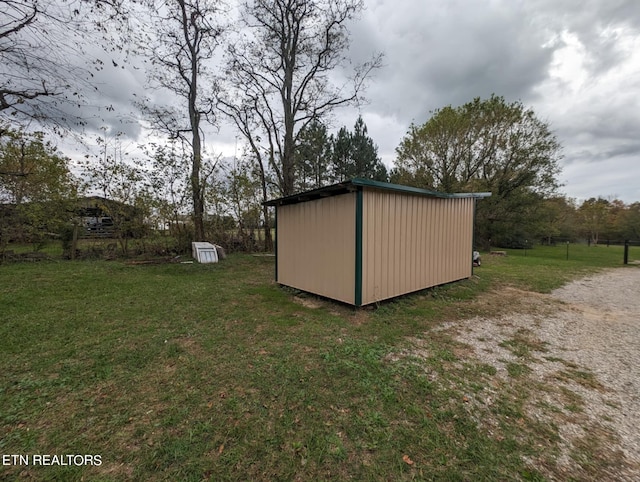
pixel 191 372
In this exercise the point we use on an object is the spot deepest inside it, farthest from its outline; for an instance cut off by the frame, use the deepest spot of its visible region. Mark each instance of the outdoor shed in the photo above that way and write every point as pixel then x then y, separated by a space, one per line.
pixel 364 241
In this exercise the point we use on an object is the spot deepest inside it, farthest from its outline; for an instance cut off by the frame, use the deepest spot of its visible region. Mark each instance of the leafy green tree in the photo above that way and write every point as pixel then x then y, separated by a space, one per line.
pixel 485 145
pixel 356 155
pixel 614 228
pixel 36 185
pixel 593 214
pixel 558 220
pixel 629 222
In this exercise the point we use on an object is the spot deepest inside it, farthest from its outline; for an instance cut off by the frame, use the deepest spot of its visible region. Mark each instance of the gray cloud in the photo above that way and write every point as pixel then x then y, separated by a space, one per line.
pixel 571 61
pixel 574 62
pixel 448 53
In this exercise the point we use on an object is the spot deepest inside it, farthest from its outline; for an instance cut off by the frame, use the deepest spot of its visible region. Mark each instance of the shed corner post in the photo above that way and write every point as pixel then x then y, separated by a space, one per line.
pixel 473 233
pixel 275 240
pixel 358 267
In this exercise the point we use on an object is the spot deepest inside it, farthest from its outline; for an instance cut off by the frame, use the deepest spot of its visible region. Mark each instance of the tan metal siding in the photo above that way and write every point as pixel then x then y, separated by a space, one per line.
pixel 412 242
pixel 316 246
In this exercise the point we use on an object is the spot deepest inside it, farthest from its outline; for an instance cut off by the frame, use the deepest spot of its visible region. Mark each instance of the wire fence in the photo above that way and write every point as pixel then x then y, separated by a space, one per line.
pixel 587 242
pixel 612 253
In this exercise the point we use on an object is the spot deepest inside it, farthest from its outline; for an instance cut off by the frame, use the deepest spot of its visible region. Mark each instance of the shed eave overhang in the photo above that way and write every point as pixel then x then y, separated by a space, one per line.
pixel 358 183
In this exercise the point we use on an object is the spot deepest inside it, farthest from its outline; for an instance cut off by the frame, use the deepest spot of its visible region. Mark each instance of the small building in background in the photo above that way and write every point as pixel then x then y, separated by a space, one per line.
pixel 364 241
pixel 102 217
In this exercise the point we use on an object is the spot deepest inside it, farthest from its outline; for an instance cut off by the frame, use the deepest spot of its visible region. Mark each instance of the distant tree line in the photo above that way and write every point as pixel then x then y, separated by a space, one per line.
pixel 270 72
pixel 39 193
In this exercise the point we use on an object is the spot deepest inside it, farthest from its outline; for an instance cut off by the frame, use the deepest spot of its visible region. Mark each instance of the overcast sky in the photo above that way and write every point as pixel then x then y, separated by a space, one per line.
pixel 575 62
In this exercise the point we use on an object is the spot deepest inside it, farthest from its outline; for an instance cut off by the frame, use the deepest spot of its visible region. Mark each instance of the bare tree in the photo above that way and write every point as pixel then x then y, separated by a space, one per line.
pixel 278 76
pixel 169 180
pixel 16 18
pixel 185 37
pixel 43 67
pixel 249 121
pixel 120 181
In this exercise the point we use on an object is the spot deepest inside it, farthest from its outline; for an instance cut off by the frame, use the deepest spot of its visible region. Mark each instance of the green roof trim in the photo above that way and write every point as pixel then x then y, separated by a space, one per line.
pixel 353 185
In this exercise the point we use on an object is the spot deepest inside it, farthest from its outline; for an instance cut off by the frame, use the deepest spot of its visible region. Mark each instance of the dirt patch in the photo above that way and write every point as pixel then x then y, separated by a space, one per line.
pixel 356 315
pixel 580 346
pixel 308 302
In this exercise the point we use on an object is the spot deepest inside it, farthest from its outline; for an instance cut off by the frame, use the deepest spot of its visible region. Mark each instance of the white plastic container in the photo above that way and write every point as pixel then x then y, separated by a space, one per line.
pixel 204 252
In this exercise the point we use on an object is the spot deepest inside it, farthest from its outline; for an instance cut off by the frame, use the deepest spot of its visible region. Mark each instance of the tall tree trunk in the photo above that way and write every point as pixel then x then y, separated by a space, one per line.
pixel 268 240
pixel 196 188
pixel 287 156
pixel 194 119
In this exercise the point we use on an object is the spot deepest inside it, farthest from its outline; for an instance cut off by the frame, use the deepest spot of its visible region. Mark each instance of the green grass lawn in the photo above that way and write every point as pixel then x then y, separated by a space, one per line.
pixel 545 268
pixel 213 372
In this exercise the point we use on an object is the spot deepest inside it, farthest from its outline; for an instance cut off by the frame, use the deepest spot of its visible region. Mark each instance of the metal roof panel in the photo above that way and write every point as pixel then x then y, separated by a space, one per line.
pixel 355 183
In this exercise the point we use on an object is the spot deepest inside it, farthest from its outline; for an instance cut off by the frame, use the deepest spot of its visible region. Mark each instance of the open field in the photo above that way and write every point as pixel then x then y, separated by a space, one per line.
pixel 213 372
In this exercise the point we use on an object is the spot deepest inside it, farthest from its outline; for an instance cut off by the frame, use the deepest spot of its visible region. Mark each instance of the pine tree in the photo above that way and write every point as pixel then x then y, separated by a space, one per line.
pixel 355 155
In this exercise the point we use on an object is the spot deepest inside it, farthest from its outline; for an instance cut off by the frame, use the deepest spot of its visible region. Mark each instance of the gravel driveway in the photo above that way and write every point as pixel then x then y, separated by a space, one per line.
pixel 588 331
